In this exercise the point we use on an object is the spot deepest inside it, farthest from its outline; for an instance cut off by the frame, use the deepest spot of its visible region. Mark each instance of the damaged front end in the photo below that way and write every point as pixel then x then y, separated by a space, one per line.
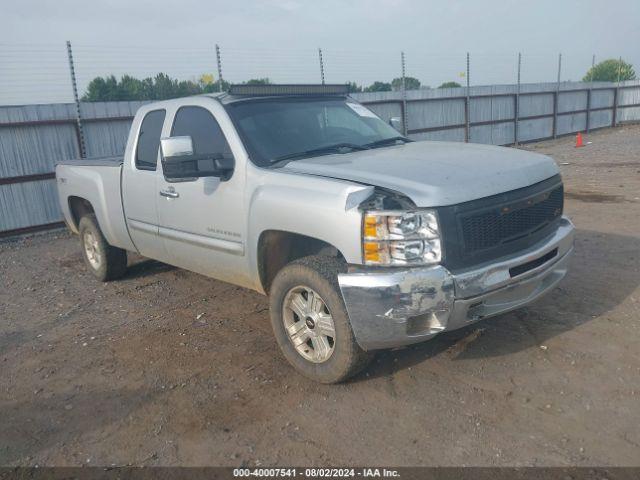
pixel 401 297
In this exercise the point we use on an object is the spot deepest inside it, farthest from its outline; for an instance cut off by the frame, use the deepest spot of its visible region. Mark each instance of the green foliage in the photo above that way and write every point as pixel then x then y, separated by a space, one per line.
pixel 353 87
pixel 160 87
pixel 610 70
pixel 450 85
pixel 258 81
pixel 410 83
pixel 378 87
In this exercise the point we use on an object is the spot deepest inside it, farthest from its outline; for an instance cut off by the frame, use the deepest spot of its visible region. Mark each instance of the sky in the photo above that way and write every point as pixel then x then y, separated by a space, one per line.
pixel 361 40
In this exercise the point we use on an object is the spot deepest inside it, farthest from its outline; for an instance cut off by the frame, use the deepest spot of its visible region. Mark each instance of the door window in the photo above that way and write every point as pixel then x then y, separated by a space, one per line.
pixel 202 127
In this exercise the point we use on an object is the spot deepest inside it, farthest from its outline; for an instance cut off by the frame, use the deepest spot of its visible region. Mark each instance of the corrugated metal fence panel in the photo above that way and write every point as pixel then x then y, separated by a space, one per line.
pixel 491 108
pixel 435 113
pixel 28 150
pixel 109 109
pixel 497 134
pixel 571 101
pixel 576 122
pixel 34 149
pixel 450 135
pixel 628 96
pixel 602 98
pixel 30 113
pixel 28 204
pixel 631 114
pixel 386 110
pixel 601 118
pixel 534 129
pixel 540 104
pixel 106 137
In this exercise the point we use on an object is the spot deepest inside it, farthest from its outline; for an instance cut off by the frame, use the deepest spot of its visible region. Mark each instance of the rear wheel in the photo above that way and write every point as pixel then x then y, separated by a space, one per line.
pixel 311 323
pixel 106 262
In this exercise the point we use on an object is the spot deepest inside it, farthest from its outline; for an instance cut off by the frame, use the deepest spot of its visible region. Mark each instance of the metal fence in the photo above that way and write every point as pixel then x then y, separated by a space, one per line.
pixel 34 137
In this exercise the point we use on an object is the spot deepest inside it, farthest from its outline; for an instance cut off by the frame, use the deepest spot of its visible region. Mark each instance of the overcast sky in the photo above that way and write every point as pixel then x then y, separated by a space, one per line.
pixel 361 40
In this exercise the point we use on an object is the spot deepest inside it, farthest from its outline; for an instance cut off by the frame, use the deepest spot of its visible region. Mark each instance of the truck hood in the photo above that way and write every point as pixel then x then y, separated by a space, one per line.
pixel 434 174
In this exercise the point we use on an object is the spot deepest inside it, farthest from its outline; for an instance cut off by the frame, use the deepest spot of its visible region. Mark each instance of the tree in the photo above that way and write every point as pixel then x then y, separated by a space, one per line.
pixel 102 90
pixel 160 87
pixel 378 87
pixel 450 85
pixel 209 84
pixel 410 83
pixel 258 81
pixel 353 87
pixel 610 70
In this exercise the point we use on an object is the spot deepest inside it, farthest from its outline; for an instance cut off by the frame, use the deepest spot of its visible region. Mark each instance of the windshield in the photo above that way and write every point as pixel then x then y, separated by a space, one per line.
pixel 286 129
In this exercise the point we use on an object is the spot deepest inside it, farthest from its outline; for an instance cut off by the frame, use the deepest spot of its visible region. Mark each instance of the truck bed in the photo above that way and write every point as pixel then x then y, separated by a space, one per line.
pixel 96 181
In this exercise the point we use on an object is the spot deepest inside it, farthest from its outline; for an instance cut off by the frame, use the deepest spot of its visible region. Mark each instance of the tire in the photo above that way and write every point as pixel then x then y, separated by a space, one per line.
pixel 104 261
pixel 316 275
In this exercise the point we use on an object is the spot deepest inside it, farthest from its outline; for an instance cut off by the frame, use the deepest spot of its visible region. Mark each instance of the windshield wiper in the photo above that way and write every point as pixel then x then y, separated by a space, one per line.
pixel 387 141
pixel 327 149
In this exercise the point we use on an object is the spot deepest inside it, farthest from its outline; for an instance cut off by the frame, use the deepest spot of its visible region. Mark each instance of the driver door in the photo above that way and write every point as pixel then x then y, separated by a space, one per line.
pixel 201 220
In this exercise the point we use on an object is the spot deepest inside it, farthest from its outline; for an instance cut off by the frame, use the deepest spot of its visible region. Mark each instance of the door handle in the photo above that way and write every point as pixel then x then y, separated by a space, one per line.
pixel 169 193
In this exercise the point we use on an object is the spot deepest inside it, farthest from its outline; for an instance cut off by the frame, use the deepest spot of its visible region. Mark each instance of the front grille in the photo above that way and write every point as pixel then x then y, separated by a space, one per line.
pixel 509 222
pixel 492 227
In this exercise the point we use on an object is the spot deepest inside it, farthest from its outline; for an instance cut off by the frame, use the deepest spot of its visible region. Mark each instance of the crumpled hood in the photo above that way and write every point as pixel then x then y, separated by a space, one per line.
pixel 435 174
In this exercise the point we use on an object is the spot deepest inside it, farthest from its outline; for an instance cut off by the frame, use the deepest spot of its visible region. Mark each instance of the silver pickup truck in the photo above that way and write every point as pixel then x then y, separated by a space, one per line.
pixel 362 238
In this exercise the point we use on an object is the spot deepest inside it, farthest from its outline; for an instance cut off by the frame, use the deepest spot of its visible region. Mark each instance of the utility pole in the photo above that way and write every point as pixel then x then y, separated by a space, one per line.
pixel 516 104
pixel 467 105
pixel 76 99
pixel 405 128
pixel 556 97
pixel 219 62
pixel 321 65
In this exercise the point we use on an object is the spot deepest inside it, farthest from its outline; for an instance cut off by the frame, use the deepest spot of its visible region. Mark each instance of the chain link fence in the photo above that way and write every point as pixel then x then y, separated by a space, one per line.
pixel 39 73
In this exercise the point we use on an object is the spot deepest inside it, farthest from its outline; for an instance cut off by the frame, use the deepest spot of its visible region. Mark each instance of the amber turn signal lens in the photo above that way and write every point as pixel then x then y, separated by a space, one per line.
pixel 371 226
pixel 372 252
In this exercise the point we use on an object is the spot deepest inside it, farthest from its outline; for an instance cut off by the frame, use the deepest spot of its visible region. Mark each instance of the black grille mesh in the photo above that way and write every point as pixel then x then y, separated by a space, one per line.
pixel 506 223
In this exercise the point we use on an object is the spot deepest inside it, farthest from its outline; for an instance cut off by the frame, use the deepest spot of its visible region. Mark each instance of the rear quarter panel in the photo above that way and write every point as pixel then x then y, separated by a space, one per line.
pixel 100 186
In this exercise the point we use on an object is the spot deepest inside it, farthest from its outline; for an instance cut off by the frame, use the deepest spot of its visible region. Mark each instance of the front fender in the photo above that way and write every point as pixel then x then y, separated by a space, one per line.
pixel 317 207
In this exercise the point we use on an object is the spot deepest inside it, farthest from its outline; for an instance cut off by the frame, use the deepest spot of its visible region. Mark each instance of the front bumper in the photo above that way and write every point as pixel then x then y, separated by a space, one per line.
pixel 391 308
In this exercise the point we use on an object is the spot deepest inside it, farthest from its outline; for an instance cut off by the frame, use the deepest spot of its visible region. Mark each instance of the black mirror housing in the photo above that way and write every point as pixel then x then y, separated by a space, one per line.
pixel 190 167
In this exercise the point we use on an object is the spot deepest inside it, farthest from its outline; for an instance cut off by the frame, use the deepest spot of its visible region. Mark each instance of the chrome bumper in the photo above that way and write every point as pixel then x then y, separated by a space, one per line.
pixel 391 308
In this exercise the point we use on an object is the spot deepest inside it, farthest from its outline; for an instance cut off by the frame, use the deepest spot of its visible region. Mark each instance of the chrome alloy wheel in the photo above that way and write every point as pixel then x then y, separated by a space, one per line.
pixel 92 249
pixel 309 324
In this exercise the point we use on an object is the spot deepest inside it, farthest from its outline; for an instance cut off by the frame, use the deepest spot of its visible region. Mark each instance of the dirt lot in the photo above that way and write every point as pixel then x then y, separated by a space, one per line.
pixel 167 367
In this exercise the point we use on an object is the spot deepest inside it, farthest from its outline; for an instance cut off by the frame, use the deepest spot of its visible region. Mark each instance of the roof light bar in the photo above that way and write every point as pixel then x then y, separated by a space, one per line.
pixel 282 89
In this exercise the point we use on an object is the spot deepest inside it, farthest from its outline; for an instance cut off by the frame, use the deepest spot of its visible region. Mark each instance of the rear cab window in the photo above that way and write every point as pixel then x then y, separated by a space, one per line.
pixel 148 147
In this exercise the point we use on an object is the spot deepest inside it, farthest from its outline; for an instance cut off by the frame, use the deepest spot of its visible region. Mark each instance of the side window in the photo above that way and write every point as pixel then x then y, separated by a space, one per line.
pixel 204 130
pixel 149 140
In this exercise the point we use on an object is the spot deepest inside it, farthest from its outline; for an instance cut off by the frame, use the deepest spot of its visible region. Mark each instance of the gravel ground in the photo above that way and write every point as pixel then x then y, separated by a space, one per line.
pixel 166 367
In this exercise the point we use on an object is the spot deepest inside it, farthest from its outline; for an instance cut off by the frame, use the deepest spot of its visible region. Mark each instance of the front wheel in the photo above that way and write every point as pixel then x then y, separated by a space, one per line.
pixel 310 321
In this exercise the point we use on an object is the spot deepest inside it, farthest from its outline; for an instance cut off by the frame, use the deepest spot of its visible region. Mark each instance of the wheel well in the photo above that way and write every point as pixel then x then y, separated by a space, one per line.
pixel 79 207
pixel 277 248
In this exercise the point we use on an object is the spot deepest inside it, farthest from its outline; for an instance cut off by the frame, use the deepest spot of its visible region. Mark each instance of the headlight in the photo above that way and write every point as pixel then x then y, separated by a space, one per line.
pixel 401 238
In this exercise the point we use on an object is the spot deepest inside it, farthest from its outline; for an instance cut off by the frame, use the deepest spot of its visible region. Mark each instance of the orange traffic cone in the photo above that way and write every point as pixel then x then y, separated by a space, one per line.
pixel 579 140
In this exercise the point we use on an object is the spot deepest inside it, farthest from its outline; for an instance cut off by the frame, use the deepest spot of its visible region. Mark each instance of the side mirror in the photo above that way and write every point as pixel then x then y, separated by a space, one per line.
pixel 180 163
pixel 396 122
pixel 176 146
